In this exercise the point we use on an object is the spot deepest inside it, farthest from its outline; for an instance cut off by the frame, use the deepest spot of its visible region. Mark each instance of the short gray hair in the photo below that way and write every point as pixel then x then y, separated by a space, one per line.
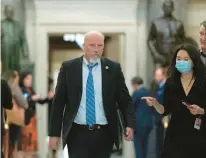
pixel 94 32
pixel 203 24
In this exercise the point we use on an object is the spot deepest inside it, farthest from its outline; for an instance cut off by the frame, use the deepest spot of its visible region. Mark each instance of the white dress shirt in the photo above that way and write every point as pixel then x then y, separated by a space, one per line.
pixel 99 109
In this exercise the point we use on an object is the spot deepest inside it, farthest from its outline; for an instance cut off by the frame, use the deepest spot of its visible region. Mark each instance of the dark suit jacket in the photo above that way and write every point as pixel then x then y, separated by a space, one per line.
pixel 144 113
pixel 68 96
pixel 159 95
pixel 6 102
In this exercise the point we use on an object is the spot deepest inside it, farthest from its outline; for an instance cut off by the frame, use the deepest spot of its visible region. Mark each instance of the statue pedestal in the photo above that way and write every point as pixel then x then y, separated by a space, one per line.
pixel 27 65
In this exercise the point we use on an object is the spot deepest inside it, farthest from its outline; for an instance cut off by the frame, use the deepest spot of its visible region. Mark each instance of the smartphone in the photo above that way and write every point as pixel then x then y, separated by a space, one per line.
pixel 26 95
pixel 186 103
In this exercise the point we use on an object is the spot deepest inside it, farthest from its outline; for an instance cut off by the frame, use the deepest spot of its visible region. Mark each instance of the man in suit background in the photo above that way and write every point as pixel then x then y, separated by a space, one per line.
pixel 6 103
pixel 160 79
pixel 203 41
pixel 144 117
pixel 85 103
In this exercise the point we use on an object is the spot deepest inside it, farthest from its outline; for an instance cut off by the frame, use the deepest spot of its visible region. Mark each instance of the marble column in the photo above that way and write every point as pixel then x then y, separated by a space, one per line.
pixel 130 61
pixel 30 27
pixel 142 28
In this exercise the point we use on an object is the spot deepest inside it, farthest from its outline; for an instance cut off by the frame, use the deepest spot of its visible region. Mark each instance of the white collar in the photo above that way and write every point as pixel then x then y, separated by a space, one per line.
pixel 87 63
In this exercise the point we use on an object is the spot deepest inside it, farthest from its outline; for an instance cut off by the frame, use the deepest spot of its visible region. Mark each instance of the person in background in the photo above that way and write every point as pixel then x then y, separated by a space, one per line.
pixel 203 42
pixel 50 96
pixel 6 103
pixel 144 117
pixel 49 101
pixel 12 77
pixel 160 79
pixel 184 99
pixel 29 132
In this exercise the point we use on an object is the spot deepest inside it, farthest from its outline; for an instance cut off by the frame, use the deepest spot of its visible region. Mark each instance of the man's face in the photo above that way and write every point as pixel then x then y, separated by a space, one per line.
pixel 203 38
pixel 93 46
pixel 134 87
pixel 159 76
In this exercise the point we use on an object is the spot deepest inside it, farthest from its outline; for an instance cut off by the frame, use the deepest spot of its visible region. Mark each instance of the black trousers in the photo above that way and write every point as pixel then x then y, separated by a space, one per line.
pixel 83 143
pixel 15 135
pixel 184 150
pixel 141 141
pixel 160 132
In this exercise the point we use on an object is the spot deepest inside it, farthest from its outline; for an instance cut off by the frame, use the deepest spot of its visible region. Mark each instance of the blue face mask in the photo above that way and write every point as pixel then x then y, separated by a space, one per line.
pixel 183 66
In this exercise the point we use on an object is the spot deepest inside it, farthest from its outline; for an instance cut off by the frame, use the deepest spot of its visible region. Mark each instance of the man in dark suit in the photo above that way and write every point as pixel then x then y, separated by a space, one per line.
pixel 6 103
pixel 160 79
pixel 85 103
pixel 203 41
pixel 144 117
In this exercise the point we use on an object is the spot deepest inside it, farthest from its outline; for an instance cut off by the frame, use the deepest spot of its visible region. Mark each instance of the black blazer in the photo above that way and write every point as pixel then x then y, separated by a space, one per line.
pixel 68 96
pixel 6 102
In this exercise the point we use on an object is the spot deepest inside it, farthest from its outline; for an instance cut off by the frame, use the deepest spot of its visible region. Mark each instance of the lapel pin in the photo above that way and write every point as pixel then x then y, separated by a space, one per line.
pixel 107 67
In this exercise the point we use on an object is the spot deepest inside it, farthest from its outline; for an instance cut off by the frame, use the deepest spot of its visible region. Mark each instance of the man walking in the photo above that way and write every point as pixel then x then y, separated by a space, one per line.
pixel 88 91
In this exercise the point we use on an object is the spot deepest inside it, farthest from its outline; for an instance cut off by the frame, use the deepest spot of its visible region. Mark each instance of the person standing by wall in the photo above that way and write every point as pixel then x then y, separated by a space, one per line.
pixel 144 117
pixel 160 79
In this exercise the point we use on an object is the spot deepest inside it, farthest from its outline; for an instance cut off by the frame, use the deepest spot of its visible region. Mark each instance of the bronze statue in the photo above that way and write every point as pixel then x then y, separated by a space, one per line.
pixel 13 41
pixel 165 33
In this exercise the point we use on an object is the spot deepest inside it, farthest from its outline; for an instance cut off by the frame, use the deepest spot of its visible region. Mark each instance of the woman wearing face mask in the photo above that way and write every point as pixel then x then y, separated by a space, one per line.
pixel 185 99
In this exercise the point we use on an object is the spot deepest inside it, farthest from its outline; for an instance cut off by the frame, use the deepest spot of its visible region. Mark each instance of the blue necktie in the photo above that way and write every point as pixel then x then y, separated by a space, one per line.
pixel 90 98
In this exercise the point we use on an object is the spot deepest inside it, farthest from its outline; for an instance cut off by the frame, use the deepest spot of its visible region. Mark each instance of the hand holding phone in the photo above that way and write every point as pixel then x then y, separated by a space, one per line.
pixel 26 95
pixel 186 103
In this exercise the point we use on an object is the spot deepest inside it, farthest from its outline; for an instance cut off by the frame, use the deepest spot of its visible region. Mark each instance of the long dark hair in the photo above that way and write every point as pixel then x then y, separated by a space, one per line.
pixel 198 66
pixel 23 75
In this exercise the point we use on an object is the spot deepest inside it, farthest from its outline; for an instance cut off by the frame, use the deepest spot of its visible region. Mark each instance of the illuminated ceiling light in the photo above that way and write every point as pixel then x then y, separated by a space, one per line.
pixel 66 37
pixel 80 39
pixel 69 37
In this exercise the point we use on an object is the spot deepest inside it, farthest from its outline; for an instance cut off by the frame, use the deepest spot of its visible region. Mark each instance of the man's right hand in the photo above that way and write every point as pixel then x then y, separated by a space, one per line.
pixel 54 143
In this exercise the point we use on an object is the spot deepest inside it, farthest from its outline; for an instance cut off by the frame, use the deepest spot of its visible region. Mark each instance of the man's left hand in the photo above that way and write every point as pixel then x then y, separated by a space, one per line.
pixel 129 134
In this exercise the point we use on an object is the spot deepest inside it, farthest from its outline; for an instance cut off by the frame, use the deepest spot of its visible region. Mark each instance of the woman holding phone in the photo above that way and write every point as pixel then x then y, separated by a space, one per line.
pixel 185 100
pixel 29 132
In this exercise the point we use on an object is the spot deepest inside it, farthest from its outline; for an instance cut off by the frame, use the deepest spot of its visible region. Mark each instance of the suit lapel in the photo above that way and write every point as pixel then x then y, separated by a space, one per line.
pixel 105 79
pixel 78 78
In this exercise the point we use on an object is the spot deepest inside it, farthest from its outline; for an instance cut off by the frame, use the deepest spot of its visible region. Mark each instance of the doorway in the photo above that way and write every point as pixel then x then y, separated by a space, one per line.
pixel 64 47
